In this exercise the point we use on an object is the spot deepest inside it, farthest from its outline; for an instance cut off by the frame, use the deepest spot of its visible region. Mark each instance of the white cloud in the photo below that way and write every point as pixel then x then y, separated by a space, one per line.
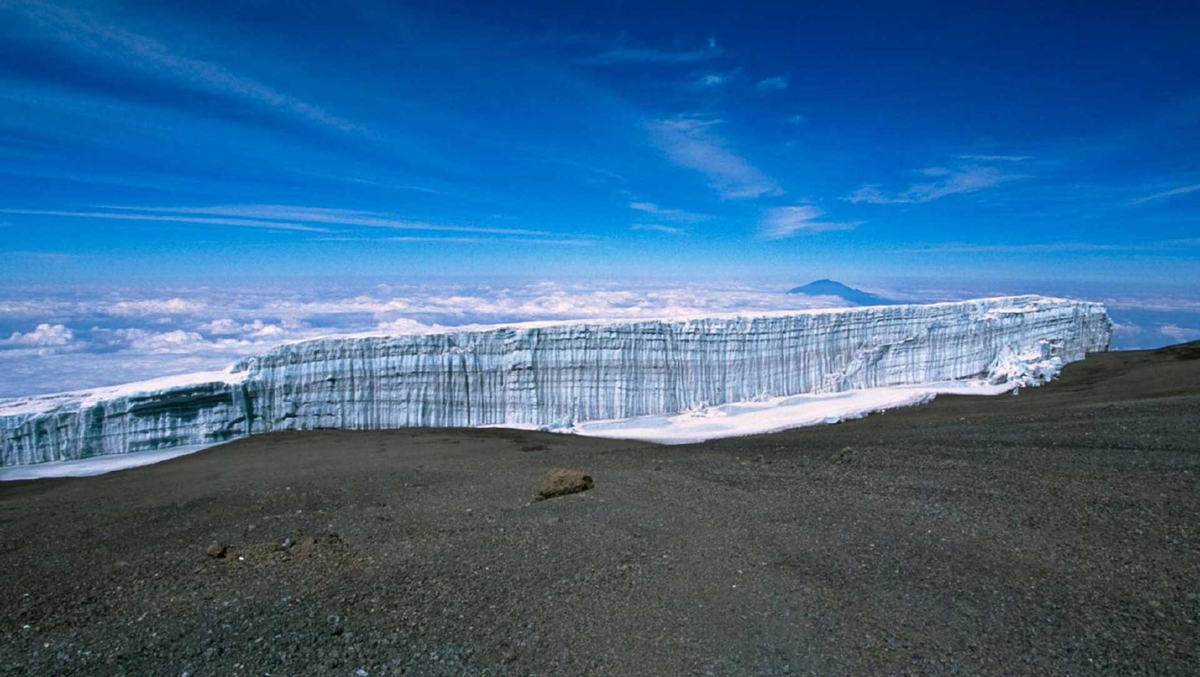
pixel 91 34
pixel 996 158
pixel 1040 247
pixel 658 227
pixel 666 214
pixel 1178 333
pixel 296 218
pixel 967 179
pixel 172 306
pixel 49 258
pixel 773 84
pixel 43 336
pixel 256 329
pixel 170 218
pixel 323 215
pixel 404 325
pixel 575 242
pixel 144 342
pixel 717 78
pixel 224 327
pixel 1182 190
pixel 197 329
pixel 1126 329
pixel 177 341
pixel 783 222
pixel 797 119
pixel 690 143
pixel 630 54
pixel 147 339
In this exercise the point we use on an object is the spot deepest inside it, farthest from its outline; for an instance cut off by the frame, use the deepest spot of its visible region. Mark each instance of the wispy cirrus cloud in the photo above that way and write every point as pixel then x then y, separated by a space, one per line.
pixel 967 179
pixel 772 84
pixel 306 219
pixel 1048 247
pixel 171 218
pixel 92 35
pixel 996 158
pixel 325 216
pixel 691 143
pixel 625 53
pixel 51 258
pixel 783 222
pixel 1182 190
pixel 668 214
pixel 716 79
pixel 569 242
pixel 658 228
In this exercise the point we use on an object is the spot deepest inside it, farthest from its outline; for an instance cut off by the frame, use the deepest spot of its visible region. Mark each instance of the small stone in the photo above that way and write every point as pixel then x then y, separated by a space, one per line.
pixel 335 624
pixel 563 481
pixel 216 550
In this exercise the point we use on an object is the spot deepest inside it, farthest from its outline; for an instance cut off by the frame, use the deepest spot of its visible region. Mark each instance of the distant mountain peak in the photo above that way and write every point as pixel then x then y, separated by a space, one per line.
pixel 827 287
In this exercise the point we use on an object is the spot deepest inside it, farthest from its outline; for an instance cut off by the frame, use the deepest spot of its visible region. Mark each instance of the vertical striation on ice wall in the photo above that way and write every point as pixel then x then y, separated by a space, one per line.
pixel 558 375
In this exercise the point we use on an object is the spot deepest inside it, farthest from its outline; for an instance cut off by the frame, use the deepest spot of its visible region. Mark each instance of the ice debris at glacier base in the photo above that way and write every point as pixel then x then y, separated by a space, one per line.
pixel 738 419
pixel 96 465
pixel 560 375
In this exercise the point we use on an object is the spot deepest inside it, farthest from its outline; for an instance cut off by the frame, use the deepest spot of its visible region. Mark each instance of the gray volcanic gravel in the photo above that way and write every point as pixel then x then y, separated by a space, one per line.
pixel 1055 532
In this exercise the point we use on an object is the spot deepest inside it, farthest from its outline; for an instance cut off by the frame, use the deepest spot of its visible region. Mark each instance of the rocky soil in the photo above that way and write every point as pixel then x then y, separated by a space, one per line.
pixel 1056 532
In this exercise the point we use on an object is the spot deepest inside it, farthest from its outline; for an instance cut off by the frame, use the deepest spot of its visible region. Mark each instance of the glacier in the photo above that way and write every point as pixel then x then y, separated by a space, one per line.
pixel 561 375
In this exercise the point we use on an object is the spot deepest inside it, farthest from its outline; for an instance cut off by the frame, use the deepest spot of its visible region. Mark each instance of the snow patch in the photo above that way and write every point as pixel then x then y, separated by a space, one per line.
pixel 738 419
pixel 98 465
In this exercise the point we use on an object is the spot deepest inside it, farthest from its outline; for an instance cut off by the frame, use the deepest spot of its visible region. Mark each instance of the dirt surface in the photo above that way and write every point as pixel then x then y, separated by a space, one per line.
pixel 1050 533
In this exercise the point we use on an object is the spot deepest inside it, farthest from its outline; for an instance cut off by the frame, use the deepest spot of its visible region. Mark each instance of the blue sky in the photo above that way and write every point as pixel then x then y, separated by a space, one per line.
pixel 150 141
pixel 182 184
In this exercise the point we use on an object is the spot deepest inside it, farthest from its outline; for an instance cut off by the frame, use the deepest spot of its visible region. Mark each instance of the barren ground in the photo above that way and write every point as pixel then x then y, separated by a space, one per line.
pixel 1051 533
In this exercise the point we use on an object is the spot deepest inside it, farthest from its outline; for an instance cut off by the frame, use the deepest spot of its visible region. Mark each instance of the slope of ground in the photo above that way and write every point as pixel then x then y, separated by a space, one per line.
pixel 1054 532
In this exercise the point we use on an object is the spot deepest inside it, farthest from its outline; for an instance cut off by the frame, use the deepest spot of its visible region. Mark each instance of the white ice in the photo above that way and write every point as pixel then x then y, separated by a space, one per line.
pixel 97 465
pixel 735 419
pixel 564 375
pixel 738 419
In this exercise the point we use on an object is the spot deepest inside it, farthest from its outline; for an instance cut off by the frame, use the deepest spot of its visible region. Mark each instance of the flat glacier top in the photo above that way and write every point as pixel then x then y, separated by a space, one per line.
pixel 1019 304
pixel 39 403
pixel 42 403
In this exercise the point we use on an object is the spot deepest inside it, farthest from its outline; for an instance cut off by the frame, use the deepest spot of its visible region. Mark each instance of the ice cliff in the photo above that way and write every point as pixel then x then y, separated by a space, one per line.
pixel 558 375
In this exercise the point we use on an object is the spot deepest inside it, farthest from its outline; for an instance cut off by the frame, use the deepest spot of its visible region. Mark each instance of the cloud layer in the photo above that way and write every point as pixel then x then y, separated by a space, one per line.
pixel 70 339
pixel 108 337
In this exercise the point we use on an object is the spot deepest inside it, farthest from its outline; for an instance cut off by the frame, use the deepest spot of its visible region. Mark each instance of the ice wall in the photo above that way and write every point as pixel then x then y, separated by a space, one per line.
pixel 558 375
